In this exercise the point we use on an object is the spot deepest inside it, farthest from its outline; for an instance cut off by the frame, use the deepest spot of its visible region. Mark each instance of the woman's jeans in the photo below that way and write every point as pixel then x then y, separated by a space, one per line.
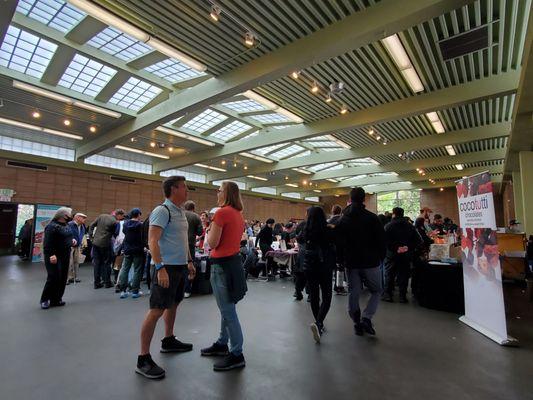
pixel 127 263
pixel 320 280
pixel 230 327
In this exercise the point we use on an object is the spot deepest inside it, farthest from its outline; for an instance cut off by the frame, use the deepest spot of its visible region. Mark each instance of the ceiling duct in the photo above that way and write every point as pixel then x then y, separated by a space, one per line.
pixel 464 43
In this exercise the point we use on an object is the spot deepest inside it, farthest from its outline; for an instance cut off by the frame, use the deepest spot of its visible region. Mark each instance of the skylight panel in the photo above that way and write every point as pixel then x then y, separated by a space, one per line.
pixel 303 154
pixel 190 176
pixel 204 121
pixel 173 71
pixel 118 44
pixel 270 118
pixel 288 151
pixel 361 161
pixel 328 149
pixel 283 126
pixel 323 143
pixel 244 106
pixel 230 130
pixel 313 198
pixel 325 166
pixel 26 53
pixel 268 149
pixel 135 94
pixel 86 76
pixel 55 13
pixel 293 195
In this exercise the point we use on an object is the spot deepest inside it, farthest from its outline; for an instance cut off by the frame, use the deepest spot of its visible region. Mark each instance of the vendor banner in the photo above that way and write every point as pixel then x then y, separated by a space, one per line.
pixel 482 275
pixel 43 215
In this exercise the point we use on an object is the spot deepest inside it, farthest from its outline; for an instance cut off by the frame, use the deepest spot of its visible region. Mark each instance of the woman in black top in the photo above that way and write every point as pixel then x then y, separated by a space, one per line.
pixel 319 262
pixel 57 242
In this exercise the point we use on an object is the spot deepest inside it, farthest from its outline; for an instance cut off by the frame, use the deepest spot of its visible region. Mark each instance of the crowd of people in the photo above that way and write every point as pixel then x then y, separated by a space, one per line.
pixel 353 245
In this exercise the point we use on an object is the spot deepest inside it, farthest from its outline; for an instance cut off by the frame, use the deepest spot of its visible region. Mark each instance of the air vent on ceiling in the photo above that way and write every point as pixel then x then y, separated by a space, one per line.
pixel 121 179
pixel 465 43
pixel 18 164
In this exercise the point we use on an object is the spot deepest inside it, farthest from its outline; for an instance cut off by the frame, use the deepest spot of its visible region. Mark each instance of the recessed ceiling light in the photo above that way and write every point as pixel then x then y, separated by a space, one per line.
pixel 170 148
pixel 314 88
pixel 223 162
pixel 215 13
pixel 36 114
pixel 344 110
pixel 92 128
pixel 153 144
pixel 249 39
pixel 66 122
pixel 295 74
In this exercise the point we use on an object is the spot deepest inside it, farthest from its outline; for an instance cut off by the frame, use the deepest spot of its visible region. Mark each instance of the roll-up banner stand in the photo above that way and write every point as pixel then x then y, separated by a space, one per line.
pixel 482 275
pixel 43 215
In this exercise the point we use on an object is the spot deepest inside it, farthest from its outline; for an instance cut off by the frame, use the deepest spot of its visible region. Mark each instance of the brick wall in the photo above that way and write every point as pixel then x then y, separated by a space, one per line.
pixel 94 193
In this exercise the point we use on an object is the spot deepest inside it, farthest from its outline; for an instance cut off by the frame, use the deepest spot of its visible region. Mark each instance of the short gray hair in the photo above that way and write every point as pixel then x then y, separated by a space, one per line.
pixel 63 212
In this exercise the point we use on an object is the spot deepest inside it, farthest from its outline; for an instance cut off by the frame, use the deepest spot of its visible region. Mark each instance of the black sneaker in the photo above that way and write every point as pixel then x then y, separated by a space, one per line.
pixel 299 296
pixel 148 368
pixel 367 326
pixel 172 345
pixel 98 286
pixel 60 303
pixel 231 361
pixel 77 280
pixel 216 349
pixel 358 328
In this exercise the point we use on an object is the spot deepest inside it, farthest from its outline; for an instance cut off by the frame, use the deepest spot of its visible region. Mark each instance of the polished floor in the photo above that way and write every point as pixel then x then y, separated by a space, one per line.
pixel 88 349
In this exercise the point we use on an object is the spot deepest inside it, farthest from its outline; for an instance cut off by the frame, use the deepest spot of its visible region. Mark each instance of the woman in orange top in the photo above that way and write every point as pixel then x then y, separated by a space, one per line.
pixel 227 275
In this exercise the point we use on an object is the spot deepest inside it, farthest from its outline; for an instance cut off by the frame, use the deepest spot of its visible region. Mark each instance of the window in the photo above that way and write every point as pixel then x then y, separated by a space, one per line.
pixel 230 130
pixel 23 52
pixel 244 106
pixel 241 185
pixel 55 13
pixel 204 121
pixel 38 149
pixel 173 71
pixel 86 76
pixel 118 163
pixel 270 118
pixel 119 44
pixel 135 94
pixel 293 195
pixel 283 126
pixel 265 190
pixel 326 166
pixel 315 199
pixel 409 200
pixel 190 176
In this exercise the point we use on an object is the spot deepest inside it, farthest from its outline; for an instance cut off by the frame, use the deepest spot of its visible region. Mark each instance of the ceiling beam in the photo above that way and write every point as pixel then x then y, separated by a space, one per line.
pixel 147 59
pixel 399 146
pixel 112 86
pixel 352 32
pixel 401 166
pixel 41 30
pixel 391 185
pixel 58 65
pixel 454 96
pixel 8 8
pixel 85 30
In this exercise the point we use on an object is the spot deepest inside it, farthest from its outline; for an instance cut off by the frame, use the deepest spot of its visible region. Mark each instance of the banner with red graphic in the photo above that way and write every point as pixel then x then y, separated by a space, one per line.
pixel 484 304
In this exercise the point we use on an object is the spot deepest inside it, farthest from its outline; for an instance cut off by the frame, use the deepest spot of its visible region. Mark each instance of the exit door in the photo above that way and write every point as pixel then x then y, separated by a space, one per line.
pixel 8 223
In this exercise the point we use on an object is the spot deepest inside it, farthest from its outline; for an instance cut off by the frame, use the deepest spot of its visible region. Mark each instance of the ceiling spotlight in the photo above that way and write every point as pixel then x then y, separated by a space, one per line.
pixel 344 110
pixel 371 132
pixel 246 167
pixel 385 142
pixel 378 137
pixel 441 189
pixel 133 140
pixel 36 114
pixel 234 165
pixel 66 122
pixel 215 12
pixel 153 144
pixel 295 74
pixel 314 88
pixel 328 98
pixel 92 128
pixel 170 148
pixel 223 162
pixel 249 39
pixel 286 178
pixel 304 182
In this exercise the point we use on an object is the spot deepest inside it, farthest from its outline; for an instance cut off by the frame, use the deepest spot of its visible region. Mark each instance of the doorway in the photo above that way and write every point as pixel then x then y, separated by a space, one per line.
pixel 8 224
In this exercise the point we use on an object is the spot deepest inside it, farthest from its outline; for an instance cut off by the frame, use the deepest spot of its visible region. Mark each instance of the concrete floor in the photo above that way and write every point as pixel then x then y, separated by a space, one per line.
pixel 88 349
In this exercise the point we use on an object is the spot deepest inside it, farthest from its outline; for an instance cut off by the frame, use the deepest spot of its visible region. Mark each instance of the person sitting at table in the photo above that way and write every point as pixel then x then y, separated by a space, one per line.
pixel 265 238
pixel 449 225
pixel 287 234
pixel 401 239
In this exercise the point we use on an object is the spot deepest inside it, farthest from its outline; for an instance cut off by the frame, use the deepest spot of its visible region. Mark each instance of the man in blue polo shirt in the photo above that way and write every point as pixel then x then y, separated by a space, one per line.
pixel 168 242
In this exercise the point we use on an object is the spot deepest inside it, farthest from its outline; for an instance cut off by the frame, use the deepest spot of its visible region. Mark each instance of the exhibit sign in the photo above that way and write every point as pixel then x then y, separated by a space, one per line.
pixel 482 275
pixel 43 215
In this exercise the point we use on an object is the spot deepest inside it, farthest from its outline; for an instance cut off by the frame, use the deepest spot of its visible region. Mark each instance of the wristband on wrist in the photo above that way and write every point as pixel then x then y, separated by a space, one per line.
pixel 159 266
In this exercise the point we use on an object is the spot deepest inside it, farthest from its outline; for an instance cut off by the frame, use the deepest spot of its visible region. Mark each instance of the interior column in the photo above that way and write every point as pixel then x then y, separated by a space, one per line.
pixel 517 195
pixel 526 178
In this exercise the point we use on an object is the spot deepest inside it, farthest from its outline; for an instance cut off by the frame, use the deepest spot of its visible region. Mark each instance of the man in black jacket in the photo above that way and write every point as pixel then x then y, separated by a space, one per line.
pixel 336 215
pixel 402 239
pixel 362 239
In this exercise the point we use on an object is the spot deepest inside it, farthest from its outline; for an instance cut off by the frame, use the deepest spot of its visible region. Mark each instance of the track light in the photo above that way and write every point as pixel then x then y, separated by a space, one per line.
pixel 133 140
pixel 215 13
pixel 378 137
pixel 295 74
pixel 371 132
pixel 36 114
pixel 223 162
pixel 170 148
pixel 314 88
pixel 92 128
pixel 344 110
pixel 249 39
pixel 328 98
pixel 153 144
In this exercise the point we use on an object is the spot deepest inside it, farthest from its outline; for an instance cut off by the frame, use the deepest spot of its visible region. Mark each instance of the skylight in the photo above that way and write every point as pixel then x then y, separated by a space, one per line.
pixel 190 176
pixel 323 143
pixel 361 161
pixel 288 151
pixel 244 106
pixel 268 149
pixel 283 126
pixel 118 44
pixel 230 130
pixel 173 71
pixel 270 118
pixel 293 195
pixel 266 190
pixel 118 163
pixel 204 121
pixel 313 198
pixel 135 94
pixel 55 13
pixel 325 166
pixel 21 51
pixel 303 154
pixel 86 76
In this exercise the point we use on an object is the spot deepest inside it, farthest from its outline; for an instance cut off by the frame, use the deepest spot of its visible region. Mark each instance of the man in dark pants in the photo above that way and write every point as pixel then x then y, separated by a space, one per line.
pixel 336 215
pixel 265 238
pixel 297 270
pixel 402 239
pixel 195 229
pixel 101 232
